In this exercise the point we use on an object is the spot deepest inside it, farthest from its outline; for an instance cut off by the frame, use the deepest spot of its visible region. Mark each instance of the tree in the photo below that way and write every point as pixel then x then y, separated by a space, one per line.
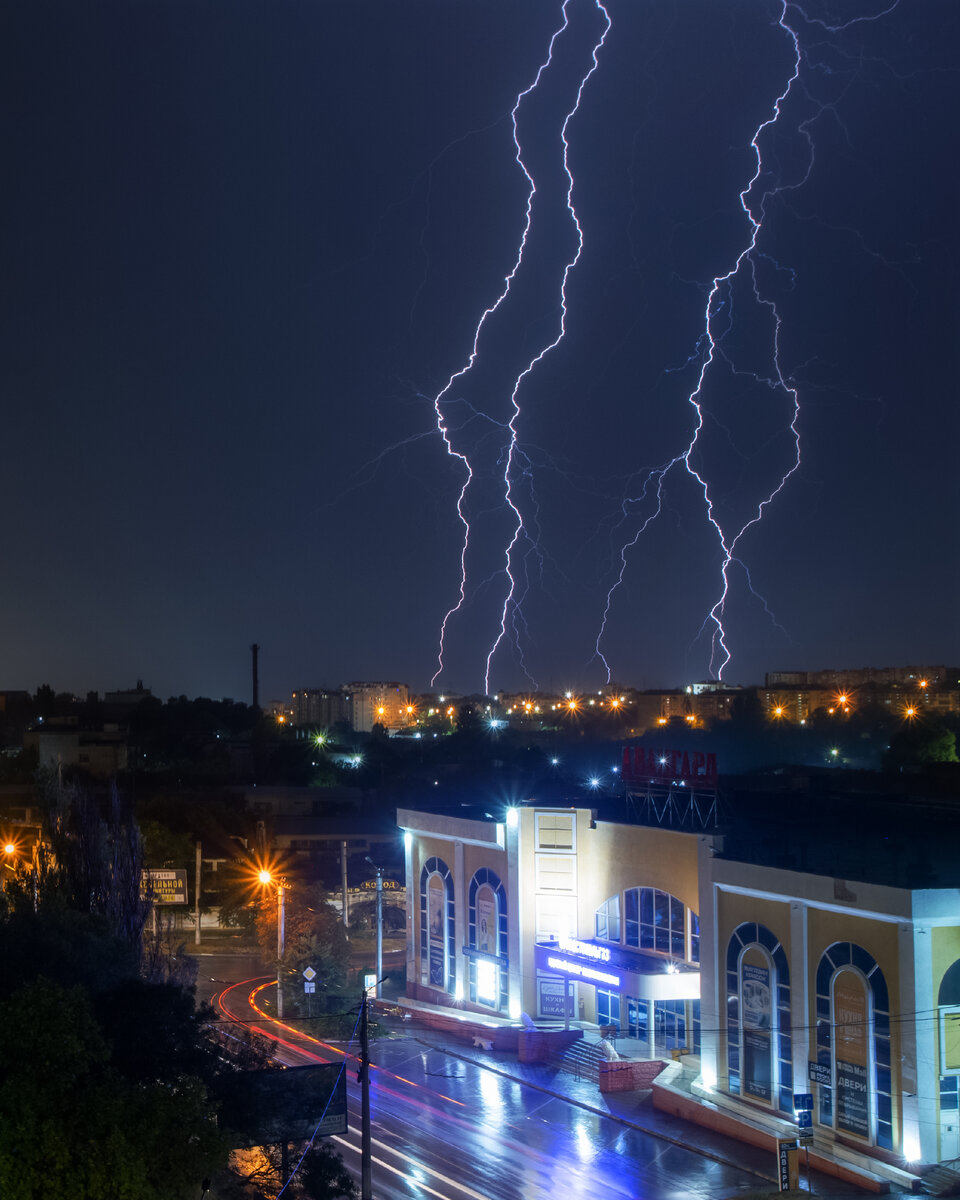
pixel 61 1095
pixel 318 1174
pixel 920 744
pixel 313 937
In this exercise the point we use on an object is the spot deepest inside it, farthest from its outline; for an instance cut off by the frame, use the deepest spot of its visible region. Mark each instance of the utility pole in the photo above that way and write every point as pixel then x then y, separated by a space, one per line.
pixel 366 1186
pixel 280 949
pixel 379 871
pixel 196 936
pixel 343 881
pixel 379 929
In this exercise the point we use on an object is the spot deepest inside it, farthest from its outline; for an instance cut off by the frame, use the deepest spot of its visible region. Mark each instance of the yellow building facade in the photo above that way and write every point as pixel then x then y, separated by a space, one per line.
pixel 777 983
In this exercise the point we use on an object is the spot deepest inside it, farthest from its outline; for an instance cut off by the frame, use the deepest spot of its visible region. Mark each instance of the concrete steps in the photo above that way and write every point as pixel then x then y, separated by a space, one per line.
pixel 943 1179
pixel 581 1059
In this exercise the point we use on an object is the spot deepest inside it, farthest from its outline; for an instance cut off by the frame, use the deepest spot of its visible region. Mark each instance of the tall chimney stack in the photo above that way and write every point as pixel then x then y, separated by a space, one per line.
pixel 255 650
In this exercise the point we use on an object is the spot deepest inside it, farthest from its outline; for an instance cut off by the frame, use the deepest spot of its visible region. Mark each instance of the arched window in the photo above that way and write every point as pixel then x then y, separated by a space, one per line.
pixel 853 1042
pixel 759 1050
pixel 948 1003
pixel 949 993
pixel 652 920
pixel 487 936
pixel 437 927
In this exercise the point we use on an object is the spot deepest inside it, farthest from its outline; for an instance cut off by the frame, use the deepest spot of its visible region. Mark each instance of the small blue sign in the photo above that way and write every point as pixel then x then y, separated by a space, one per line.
pixel 803 1100
pixel 805 1119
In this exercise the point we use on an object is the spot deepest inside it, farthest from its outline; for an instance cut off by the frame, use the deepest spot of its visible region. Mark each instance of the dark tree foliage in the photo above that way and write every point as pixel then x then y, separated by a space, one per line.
pixel 922 743
pixel 72 1124
pixel 96 862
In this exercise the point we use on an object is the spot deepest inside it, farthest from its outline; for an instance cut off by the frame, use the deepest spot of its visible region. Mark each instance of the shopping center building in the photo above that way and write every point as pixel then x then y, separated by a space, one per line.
pixel 773 981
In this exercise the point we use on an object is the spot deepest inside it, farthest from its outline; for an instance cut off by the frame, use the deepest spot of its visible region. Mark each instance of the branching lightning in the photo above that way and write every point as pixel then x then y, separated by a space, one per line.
pixel 717 320
pixel 743 296
pixel 441 402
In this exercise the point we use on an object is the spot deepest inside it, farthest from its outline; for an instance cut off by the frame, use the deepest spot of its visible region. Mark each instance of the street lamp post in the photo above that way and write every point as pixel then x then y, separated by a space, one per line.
pixel 379 871
pixel 267 878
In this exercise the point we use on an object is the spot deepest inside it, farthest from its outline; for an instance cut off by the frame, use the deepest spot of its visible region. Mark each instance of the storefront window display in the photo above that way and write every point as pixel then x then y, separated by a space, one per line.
pixel 853 1041
pixel 487 939
pixel 759 1050
pixel 437 926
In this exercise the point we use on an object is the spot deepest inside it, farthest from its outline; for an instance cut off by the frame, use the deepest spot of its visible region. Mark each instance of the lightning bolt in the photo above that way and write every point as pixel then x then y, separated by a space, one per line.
pixel 718 319
pixel 513 460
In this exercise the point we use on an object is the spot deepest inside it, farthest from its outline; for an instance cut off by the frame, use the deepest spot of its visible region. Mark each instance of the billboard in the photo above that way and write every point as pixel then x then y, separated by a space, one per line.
pixel 262 1108
pixel 643 765
pixel 164 887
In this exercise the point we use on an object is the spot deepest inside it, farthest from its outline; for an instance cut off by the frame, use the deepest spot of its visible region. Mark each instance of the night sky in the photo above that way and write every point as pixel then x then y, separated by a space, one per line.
pixel 247 245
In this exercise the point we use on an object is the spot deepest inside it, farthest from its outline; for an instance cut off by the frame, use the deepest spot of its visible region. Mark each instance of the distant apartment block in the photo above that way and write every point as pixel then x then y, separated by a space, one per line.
pixel 380 703
pixel 835 679
pixel 362 705
pixel 319 707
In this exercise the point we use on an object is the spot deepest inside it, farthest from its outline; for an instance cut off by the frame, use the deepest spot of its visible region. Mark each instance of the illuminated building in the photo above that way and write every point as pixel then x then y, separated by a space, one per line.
pixel 771 978
pixel 377 704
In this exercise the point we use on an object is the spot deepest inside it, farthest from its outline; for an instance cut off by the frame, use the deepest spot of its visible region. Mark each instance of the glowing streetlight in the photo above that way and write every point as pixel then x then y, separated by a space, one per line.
pixel 266 878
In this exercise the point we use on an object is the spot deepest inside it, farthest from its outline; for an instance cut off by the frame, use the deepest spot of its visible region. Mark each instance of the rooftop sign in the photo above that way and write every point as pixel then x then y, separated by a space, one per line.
pixel 643 765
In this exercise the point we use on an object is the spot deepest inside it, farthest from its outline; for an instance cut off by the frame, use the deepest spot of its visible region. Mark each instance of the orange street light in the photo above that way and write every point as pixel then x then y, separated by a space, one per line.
pixel 266 878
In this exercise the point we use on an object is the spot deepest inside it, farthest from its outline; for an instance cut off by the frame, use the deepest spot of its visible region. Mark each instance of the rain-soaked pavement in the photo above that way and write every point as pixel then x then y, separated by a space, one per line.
pixel 545 1134
pixel 454 1123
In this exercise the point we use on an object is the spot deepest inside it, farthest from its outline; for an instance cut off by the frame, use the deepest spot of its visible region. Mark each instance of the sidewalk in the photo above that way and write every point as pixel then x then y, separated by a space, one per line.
pixel 634 1108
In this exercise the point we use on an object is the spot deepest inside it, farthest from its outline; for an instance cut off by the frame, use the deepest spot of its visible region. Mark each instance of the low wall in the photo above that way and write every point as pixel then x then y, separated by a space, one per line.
pixel 499 1037
pixel 629 1075
pixel 707 1115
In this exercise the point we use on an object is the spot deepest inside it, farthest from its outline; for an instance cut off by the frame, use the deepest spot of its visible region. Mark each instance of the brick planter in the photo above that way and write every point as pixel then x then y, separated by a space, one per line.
pixel 629 1075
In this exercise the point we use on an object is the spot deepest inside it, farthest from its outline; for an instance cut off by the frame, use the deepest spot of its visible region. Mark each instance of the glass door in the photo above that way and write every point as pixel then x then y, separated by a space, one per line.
pixel 638 1019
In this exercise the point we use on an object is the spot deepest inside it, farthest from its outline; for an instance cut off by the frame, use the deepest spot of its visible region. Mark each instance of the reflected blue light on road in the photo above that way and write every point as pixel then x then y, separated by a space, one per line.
pixel 490 1090
pixel 585 1148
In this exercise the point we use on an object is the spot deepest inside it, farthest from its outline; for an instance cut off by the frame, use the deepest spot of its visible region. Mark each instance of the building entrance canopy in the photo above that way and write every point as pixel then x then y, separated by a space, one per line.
pixel 617 969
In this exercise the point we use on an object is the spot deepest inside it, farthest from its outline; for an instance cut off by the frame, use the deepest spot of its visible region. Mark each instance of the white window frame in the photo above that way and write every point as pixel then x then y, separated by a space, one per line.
pixel 544 862
pixel 538 843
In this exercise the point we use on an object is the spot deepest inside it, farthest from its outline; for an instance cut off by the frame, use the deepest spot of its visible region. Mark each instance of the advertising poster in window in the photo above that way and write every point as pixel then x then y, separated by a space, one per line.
pixel 435 906
pixel 486 921
pixel 756 1010
pixel 852 1053
pixel 553 998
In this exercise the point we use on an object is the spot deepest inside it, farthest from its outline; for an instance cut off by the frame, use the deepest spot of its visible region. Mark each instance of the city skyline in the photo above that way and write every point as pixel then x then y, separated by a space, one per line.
pixel 248 261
